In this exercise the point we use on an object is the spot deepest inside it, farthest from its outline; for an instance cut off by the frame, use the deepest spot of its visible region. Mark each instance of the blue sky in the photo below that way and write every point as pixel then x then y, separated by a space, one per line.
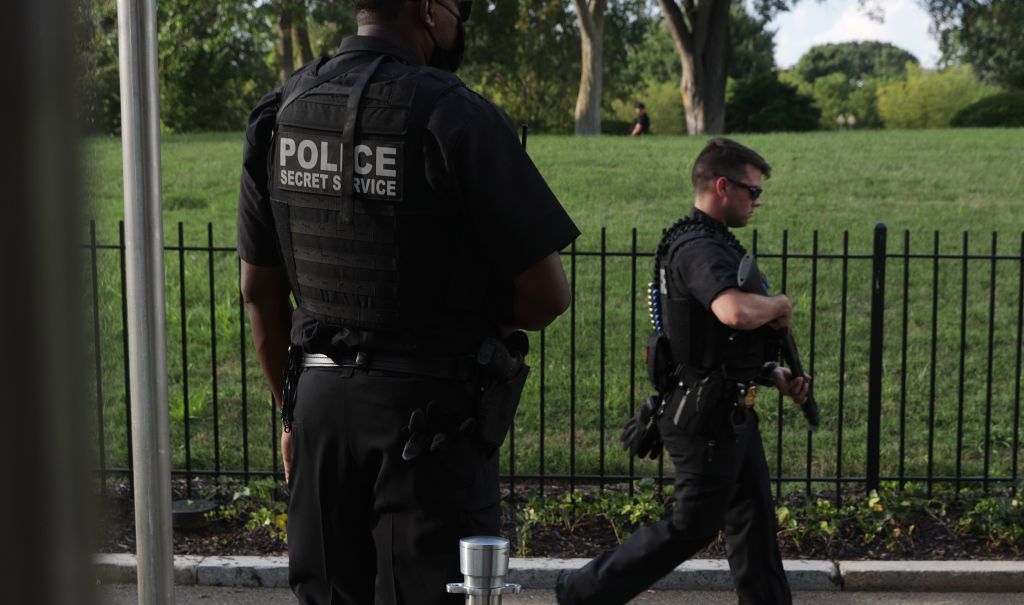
pixel 812 23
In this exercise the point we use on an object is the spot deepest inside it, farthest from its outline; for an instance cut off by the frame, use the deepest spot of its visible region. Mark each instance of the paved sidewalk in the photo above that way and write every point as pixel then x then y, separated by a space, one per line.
pixel 697 574
pixel 126 594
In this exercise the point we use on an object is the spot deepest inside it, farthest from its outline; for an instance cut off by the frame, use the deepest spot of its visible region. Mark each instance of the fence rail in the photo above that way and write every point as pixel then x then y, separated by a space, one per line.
pixel 917 360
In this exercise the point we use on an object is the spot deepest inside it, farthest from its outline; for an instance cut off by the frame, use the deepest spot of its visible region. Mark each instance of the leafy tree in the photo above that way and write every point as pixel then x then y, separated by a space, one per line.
pixel 766 104
pixel 606 27
pixel 523 55
pixel 628 24
pixel 987 34
pixel 752 53
pixel 844 78
pixel 654 66
pixel 929 99
pixel 329 22
pixel 700 33
pixel 858 61
pixel 590 18
pixel 212 62
pixel 98 80
pixel 307 29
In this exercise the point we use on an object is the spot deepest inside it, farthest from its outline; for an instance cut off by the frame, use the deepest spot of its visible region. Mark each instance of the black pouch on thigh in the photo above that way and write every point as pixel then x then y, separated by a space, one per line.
pixel 703 410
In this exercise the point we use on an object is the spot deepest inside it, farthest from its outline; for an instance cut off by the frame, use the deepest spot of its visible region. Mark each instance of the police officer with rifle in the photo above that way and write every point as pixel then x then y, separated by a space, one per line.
pixel 418 239
pixel 714 345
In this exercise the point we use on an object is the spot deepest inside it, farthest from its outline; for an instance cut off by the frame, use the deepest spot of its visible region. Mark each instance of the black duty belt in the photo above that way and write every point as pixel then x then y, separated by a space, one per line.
pixel 446 368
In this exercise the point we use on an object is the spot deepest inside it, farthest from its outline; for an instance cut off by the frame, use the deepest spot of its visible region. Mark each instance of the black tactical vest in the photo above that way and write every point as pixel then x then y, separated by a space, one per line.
pixel 701 343
pixel 367 244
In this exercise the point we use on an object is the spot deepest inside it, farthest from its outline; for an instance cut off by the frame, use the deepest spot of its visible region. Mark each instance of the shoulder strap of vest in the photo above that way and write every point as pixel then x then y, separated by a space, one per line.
pixel 348 140
pixel 671 239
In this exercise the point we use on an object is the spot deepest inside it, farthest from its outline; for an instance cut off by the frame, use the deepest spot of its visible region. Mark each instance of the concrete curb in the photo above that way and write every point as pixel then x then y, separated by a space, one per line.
pixel 933 576
pixel 698 574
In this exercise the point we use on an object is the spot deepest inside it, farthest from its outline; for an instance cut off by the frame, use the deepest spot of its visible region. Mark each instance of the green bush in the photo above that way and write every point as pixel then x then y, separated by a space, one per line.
pixel 929 99
pixel 664 108
pixel 1006 110
pixel 766 104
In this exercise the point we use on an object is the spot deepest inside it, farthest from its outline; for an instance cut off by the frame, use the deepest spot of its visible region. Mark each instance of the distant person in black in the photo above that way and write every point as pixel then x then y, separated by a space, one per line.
pixel 401 212
pixel 642 123
pixel 720 338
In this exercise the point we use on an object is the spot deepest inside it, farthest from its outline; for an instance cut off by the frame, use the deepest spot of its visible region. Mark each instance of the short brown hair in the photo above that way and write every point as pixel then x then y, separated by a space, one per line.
pixel 386 10
pixel 725 157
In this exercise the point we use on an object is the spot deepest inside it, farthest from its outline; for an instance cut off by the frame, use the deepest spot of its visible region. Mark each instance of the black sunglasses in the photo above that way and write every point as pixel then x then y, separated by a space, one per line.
pixel 753 190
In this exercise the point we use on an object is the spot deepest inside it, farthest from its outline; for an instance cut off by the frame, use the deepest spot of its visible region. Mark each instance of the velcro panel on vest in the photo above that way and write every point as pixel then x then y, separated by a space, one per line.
pixel 378 272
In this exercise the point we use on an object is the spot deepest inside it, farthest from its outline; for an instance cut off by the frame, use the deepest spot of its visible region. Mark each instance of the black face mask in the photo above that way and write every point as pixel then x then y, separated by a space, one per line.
pixel 449 59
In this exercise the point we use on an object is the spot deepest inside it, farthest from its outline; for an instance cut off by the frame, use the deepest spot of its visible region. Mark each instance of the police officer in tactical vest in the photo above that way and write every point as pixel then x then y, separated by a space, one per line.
pixel 713 345
pixel 417 238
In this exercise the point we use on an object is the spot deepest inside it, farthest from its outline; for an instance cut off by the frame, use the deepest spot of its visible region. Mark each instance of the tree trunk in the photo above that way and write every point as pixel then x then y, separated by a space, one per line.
pixel 285 56
pixel 301 28
pixel 701 35
pixel 590 16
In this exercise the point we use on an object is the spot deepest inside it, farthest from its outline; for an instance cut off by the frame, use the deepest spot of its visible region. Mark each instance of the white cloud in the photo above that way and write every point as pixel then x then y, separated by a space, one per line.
pixel 812 23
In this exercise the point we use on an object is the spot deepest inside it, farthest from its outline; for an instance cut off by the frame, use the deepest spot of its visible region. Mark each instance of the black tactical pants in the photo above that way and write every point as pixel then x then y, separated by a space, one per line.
pixel 365 526
pixel 720 483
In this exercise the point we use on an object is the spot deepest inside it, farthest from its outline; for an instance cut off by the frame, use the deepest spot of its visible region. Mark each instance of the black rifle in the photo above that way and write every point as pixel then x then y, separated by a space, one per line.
pixel 750 280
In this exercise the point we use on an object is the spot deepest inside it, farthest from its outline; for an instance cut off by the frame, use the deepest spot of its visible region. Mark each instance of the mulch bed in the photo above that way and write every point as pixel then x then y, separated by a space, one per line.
pixel 933 537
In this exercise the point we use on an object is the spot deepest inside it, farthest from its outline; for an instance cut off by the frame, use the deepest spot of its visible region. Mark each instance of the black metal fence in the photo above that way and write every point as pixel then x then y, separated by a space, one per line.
pixel 917 360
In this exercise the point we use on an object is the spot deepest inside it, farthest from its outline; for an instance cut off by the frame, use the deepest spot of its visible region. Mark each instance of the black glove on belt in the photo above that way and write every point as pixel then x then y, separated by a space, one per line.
pixel 640 436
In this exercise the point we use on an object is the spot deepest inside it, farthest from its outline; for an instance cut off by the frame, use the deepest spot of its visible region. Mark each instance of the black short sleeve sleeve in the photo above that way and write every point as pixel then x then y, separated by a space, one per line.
pixel 257 237
pixel 707 267
pixel 517 218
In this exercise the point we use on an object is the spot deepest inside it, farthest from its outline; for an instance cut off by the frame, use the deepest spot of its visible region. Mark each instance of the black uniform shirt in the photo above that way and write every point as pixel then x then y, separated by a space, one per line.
pixel 708 265
pixel 645 123
pixel 473 156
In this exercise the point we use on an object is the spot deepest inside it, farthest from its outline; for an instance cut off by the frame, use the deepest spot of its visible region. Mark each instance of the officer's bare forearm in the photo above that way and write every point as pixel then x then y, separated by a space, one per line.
pixel 745 311
pixel 265 292
pixel 541 294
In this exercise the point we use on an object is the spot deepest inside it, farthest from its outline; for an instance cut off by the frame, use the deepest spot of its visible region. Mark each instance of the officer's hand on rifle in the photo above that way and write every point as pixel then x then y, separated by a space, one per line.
pixel 796 388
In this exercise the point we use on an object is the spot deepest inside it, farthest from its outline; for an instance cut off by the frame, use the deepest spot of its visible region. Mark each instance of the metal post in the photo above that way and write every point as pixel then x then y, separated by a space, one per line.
pixel 147 323
pixel 875 371
pixel 483 561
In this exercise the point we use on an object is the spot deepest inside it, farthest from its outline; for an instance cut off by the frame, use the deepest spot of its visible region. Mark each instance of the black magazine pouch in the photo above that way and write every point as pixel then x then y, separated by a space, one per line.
pixel 660 366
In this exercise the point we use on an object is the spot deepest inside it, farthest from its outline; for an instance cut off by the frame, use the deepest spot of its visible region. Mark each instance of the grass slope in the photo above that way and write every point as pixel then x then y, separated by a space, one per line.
pixel 826 188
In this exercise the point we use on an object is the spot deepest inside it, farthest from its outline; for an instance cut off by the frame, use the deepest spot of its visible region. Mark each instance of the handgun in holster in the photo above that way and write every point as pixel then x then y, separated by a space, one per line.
pixel 503 372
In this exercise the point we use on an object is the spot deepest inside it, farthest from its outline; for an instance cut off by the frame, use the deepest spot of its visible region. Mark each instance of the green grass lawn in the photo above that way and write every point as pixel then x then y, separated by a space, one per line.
pixel 831 184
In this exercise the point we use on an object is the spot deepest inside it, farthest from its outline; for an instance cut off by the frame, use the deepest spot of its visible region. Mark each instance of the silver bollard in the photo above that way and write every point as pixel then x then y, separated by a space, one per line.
pixel 484 562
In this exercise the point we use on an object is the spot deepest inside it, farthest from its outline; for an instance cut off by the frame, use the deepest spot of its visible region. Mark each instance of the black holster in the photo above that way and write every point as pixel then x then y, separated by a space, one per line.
pixel 503 373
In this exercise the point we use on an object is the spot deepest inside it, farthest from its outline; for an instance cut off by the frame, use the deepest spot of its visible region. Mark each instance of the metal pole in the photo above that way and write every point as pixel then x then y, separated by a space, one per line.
pixel 875 366
pixel 147 323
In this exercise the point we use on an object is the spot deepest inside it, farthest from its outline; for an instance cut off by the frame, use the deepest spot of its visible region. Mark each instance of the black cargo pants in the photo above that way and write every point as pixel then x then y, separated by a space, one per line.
pixel 719 483
pixel 365 526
